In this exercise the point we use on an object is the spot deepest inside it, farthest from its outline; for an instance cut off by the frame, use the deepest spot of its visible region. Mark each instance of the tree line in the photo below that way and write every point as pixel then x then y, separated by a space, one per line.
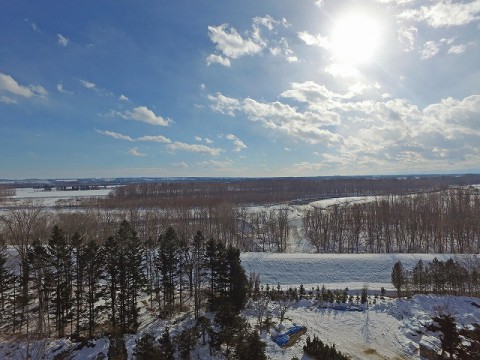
pixel 448 277
pixel 439 222
pixel 247 191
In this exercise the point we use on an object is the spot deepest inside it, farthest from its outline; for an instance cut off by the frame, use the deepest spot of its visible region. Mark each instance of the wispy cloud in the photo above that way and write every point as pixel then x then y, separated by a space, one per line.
pixel 445 13
pixel 62 90
pixel 215 164
pixel 316 40
pixel 181 164
pixel 62 40
pixel 123 98
pixel 7 100
pixel 10 85
pixel 171 145
pixel 195 148
pixel 134 152
pixel 239 145
pixel 115 135
pixel 430 49
pixel 88 84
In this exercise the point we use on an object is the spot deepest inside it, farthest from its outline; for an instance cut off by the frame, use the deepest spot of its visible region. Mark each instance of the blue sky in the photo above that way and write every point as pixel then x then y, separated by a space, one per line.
pixel 238 88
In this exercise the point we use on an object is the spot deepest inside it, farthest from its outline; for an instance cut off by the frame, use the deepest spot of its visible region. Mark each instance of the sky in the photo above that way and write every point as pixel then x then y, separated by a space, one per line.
pixel 238 88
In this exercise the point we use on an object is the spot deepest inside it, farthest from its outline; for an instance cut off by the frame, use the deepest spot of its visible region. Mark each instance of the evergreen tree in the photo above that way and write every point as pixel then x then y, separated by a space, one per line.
pixel 450 337
pixel 251 348
pixel 198 269
pixel 147 348
pixel 398 277
pixel 93 268
pixel 111 250
pixel 316 349
pixel 237 281
pixel 186 342
pixel 167 264
pixel 40 272
pixel 472 349
pixel 166 346
pixel 60 257
pixel 79 261
pixel 6 278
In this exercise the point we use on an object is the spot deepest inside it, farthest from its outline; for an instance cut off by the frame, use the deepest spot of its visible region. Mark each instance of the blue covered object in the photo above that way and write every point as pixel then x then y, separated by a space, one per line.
pixel 283 338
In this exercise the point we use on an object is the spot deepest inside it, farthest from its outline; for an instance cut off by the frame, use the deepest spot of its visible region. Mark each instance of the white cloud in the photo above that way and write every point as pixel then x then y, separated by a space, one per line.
pixel 224 105
pixel 61 89
pixel 198 138
pixel 208 141
pixel 182 165
pixel 7 100
pixel 457 49
pixel 87 84
pixel 134 152
pixel 230 44
pixel 123 98
pixel 228 41
pixel 239 145
pixel 196 148
pixel 62 40
pixel 445 13
pixel 155 138
pixel 10 85
pixel 115 135
pixel 218 59
pixel 142 113
pixel 430 49
pixel 316 40
pixel 406 36
pixel 215 164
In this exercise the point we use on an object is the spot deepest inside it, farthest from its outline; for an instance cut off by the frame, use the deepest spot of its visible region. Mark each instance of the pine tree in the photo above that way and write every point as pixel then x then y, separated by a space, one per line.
pixel 79 261
pixel 198 268
pixel 60 257
pixel 398 277
pixel 147 348
pixel 167 262
pixel 450 337
pixel 237 282
pixel 93 268
pixel 251 348
pixel 41 276
pixel 6 278
pixel 166 345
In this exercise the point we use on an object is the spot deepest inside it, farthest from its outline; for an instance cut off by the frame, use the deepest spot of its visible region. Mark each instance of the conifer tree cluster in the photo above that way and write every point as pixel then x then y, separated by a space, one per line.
pixel 316 349
pixel 437 277
pixel 76 287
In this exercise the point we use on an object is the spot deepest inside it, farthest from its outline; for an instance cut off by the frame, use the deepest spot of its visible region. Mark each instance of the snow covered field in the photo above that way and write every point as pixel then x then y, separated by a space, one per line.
pixel 335 271
pixel 56 197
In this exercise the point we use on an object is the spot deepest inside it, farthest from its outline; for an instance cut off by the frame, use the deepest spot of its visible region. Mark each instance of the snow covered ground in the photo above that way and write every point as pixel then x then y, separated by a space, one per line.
pixel 55 197
pixel 335 271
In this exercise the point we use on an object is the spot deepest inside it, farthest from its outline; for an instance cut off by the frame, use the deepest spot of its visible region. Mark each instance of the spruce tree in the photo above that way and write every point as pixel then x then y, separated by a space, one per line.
pixel 60 258
pixel 398 277
pixel 147 348
pixel 167 262
pixel 166 346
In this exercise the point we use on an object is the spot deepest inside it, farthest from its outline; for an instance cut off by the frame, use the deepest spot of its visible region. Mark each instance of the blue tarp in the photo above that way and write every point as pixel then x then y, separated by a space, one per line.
pixel 282 339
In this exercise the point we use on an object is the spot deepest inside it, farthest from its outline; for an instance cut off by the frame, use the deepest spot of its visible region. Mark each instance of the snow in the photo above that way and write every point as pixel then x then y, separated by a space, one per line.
pixel 335 271
pixel 54 197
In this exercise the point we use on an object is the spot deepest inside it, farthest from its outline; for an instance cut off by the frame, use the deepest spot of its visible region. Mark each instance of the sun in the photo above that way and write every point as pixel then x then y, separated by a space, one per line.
pixel 355 38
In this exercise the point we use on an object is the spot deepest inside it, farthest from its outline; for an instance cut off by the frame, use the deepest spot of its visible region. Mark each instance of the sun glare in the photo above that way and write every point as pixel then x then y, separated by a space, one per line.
pixel 355 38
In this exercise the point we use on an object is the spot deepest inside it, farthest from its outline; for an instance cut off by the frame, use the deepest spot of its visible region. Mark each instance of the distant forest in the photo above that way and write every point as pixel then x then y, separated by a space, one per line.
pixel 422 215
